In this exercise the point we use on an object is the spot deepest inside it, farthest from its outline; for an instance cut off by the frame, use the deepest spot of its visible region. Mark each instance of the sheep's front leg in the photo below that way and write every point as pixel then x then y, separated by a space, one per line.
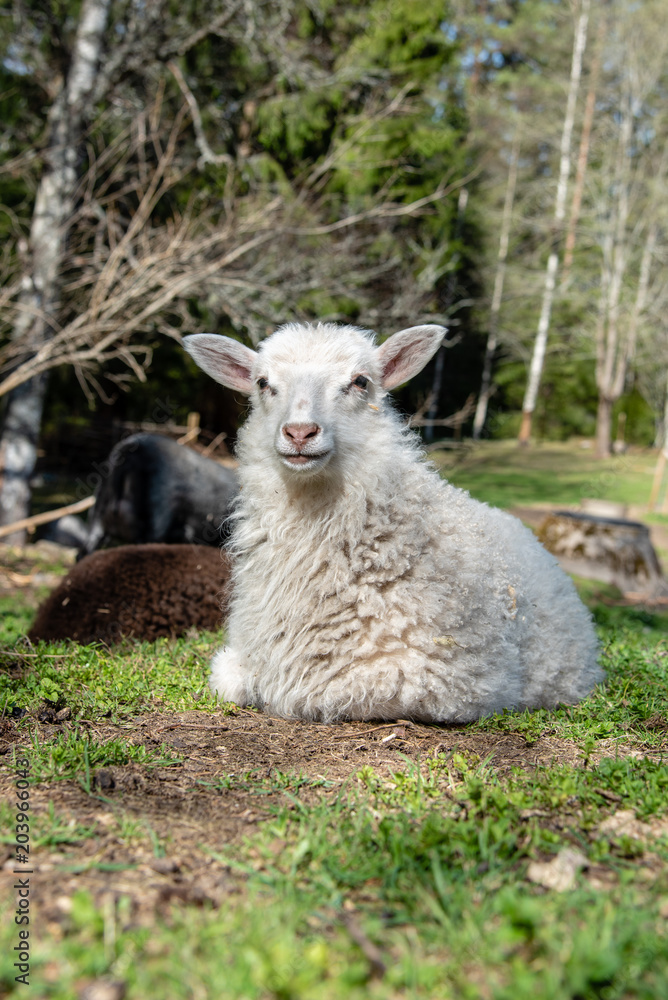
pixel 229 676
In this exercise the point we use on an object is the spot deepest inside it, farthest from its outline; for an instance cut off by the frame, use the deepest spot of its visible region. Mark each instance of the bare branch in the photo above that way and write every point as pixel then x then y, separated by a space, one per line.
pixel 387 210
pixel 207 155
pixel 455 420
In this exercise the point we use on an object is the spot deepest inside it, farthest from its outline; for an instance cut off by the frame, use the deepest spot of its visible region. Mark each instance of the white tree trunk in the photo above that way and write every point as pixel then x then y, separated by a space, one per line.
pixel 540 345
pixel 439 366
pixel 54 204
pixel 616 343
pixel 640 303
pixel 662 458
pixel 583 156
pixel 497 296
pixel 616 348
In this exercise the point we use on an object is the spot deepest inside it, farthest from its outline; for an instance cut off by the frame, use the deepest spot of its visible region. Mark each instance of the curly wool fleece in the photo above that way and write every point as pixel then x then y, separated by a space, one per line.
pixel 365 586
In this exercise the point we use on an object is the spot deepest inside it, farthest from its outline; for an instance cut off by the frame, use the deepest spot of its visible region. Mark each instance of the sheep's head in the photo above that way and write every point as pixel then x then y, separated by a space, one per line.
pixel 315 387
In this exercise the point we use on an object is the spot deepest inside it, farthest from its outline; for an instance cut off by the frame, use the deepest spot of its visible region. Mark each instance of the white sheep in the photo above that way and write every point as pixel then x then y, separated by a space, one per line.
pixel 364 585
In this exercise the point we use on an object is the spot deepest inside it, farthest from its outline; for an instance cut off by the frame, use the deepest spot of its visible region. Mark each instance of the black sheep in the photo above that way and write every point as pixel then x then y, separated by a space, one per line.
pixel 154 490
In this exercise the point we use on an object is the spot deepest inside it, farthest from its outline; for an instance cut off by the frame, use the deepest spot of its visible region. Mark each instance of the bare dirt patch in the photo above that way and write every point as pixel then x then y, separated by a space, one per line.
pixel 153 833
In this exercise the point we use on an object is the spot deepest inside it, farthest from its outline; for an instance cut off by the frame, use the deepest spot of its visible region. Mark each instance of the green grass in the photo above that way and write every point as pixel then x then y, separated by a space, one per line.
pixel 48 830
pixel 430 866
pixel 501 473
pixel 74 755
pixel 16 616
pixel 17 610
pixel 261 783
pixel 428 870
pixel 96 681
pixel 510 947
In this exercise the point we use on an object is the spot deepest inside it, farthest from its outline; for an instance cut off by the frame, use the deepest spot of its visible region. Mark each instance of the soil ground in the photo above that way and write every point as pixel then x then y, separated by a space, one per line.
pixel 187 808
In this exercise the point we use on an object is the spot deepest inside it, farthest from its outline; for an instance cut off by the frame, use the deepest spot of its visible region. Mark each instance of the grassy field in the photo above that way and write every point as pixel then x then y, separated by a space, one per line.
pixel 524 856
pixel 507 476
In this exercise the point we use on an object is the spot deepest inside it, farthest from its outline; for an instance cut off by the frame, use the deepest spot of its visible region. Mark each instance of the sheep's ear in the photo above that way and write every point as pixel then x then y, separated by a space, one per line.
pixel 224 359
pixel 406 353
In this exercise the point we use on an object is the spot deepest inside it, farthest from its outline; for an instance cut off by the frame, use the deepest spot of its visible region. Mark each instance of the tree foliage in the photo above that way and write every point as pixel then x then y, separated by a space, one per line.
pixel 232 160
pixel 241 164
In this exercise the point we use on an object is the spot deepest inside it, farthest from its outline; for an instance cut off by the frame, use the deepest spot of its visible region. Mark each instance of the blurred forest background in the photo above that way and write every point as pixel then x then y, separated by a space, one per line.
pixel 495 165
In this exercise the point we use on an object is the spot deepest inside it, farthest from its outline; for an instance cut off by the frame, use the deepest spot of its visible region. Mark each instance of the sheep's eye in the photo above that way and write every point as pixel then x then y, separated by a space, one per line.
pixel 361 382
pixel 263 383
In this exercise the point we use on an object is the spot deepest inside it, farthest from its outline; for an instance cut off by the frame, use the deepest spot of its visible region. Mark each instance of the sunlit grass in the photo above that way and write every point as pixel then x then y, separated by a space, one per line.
pixel 97 681
pixel 74 755
pixel 430 864
pixel 414 885
pixel 502 474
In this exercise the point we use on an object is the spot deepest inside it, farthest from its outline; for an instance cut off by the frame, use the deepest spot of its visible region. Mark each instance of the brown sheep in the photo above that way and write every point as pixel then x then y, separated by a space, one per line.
pixel 138 591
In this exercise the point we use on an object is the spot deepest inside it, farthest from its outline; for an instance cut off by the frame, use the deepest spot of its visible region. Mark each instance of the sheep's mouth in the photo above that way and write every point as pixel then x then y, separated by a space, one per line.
pixel 304 460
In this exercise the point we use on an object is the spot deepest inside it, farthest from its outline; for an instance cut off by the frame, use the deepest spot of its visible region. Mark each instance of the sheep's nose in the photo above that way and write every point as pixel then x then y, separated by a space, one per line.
pixel 299 434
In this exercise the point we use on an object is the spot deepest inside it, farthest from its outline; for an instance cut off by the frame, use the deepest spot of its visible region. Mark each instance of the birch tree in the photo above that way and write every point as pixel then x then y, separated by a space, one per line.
pixel 497 294
pixel 39 286
pixel 630 211
pixel 583 155
pixel 540 344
